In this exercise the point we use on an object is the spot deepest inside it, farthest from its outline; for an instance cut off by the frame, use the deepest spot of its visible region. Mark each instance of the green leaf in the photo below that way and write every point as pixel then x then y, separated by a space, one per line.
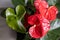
pixel 58 5
pixel 9 12
pixel 27 37
pixel 17 2
pixel 52 35
pixel 30 2
pixel 52 2
pixel 20 11
pixel 55 24
pixel 22 28
pixel 30 7
pixel 12 21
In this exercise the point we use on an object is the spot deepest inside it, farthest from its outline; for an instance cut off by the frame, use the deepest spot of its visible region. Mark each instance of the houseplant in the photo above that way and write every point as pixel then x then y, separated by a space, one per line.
pixel 35 19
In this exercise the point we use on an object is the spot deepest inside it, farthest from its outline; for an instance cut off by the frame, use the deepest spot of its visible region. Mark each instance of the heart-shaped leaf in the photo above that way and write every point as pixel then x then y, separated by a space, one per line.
pixel 11 19
pixel 14 20
pixel 20 11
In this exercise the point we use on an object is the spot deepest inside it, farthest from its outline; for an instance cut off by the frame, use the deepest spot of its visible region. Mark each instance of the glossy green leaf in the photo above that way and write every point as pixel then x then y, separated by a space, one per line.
pixel 12 21
pixel 20 11
pixel 52 35
pixel 27 37
pixel 52 2
pixel 10 11
pixel 58 5
pixel 30 7
pixel 23 29
pixel 18 2
pixel 55 24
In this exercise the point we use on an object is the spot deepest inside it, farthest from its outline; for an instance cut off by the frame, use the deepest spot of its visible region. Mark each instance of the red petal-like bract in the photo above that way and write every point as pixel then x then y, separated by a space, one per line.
pixel 33 33
pixel 40 3
pixel 51 13
pixel 43 7
pixel 37 3
pixel 32 20
pixel 44 4
pixel 41 28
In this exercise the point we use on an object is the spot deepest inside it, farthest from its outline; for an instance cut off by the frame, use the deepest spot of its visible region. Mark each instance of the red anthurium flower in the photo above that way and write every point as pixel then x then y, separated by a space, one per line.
pixel 32 20
pixel 43 7
pixel 37 3
pixel 51 13
pixel 44 4
pixel 46 11
pixel 33 33
pixel 40 3
pixel 40 26
pixel 40 20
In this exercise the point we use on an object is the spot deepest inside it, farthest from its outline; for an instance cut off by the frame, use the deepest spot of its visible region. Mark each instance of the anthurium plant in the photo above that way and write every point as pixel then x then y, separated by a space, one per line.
pixel 38 19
